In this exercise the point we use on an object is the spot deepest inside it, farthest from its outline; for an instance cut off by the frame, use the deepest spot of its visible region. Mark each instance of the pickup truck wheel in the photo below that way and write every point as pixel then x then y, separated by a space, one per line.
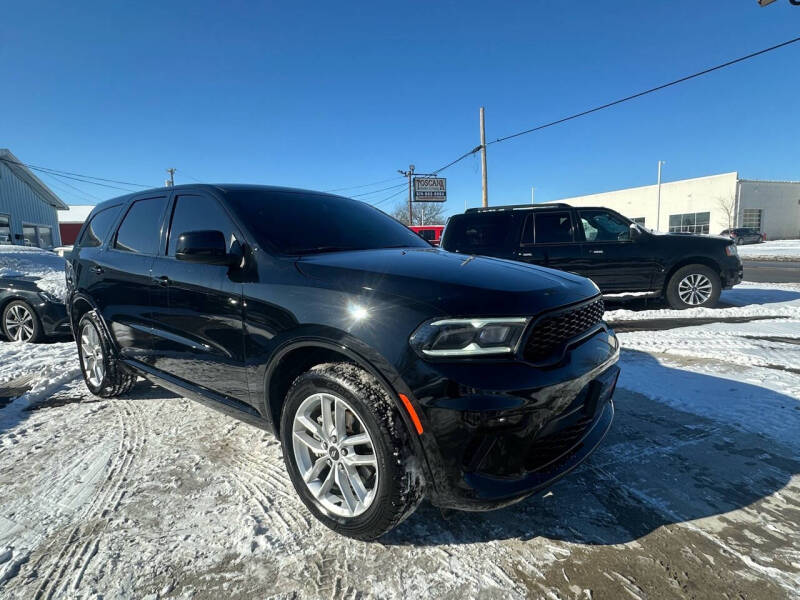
pixel 102 372
pixel 348 452
pixel 693 286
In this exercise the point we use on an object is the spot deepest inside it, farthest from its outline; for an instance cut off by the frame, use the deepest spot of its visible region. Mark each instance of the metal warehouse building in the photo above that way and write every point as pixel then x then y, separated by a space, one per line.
pixel 28 207
pixel 708 204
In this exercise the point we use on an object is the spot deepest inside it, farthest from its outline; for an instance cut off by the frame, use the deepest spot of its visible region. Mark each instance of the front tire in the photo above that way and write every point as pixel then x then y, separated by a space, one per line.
pixel 694 286
pixel 104 375
pixel 348 451
pixel 20 322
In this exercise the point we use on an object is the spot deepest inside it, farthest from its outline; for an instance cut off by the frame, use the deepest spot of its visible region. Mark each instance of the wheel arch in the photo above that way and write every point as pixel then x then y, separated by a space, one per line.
pixel 693 260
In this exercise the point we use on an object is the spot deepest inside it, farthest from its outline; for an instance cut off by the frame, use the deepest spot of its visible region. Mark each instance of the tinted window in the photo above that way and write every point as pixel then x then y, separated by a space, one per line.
pixel 471 233
pixel 98 227
pixel 45 237
pixel 552 227
pixel 139 229
pixel 306 222
pixel 428 235
pixel 527 231
pixel 198 213
pixel 603 226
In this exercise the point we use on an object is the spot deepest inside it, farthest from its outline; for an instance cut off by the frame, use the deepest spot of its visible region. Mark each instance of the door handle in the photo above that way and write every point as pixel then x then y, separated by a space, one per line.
pixel 98 270
pixel 163 280
pixel 596 251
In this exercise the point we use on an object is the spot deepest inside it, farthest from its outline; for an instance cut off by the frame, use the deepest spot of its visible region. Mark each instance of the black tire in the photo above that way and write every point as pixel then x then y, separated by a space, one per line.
pixel 739 241
pixel 399 488
pixel 116 379
pixel 674 295
pixel 8 312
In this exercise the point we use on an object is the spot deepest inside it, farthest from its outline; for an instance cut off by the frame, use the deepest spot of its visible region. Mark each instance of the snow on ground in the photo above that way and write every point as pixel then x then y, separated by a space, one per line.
pixel 694 493
pixel 773 250
pixel 23 261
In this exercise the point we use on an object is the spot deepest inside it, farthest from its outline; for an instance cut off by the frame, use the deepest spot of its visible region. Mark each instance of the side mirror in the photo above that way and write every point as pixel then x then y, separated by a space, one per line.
pixel 206 247
pixel 636 233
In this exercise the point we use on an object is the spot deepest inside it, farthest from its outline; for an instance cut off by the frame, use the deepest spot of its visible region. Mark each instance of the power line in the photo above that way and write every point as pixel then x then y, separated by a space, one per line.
pixel 625 99
pixel 391 187
pixel 397 193
pixel 61 175
pixel 77 189
pixel 65 173
pixel 357 187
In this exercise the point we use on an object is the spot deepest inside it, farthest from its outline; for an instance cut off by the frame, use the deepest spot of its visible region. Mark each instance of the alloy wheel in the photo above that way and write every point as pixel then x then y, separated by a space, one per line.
pixel 695 289
pixel 92 353
pixel 335 455
pixel 19 323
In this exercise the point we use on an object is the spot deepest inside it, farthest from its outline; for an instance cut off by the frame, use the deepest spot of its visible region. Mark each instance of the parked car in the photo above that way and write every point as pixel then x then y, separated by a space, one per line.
pixel 429 233
pixel 619 255
pixel 32 288
pixel 744 235
pixel 389 370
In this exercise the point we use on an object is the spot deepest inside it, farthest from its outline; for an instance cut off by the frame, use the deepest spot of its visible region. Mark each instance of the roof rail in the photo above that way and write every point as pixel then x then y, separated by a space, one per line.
pixel 517 207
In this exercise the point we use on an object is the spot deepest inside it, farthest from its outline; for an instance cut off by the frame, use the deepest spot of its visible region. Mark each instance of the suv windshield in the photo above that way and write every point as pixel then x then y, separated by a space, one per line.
pixel 310 223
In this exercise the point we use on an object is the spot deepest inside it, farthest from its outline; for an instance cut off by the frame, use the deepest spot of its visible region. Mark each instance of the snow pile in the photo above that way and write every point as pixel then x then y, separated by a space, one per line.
pixel 47 267
pixel 774 250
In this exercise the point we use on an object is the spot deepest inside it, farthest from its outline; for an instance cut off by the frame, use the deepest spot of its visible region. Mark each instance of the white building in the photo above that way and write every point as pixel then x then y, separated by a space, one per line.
pixel 708 205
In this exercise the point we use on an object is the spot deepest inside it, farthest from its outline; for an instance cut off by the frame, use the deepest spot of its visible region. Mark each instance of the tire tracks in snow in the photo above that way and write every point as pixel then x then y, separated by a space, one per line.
pixel 66 572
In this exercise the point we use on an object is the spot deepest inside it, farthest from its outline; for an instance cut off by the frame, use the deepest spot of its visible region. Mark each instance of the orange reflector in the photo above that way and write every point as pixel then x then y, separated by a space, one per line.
pixel 412 413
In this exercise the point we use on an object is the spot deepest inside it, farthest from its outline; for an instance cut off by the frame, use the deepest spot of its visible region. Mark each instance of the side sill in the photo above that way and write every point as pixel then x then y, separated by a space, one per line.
pixel 229 406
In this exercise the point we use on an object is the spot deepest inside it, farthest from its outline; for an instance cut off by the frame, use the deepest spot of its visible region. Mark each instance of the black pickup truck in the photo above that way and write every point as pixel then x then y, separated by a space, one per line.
pixel 619 255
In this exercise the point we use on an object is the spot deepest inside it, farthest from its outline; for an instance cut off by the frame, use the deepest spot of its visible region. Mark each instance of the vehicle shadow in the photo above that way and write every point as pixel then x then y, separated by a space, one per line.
pixel 737 296
pixel 658 465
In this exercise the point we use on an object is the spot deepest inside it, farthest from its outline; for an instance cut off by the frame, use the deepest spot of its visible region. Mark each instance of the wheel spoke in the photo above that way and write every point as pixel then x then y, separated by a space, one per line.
pixel 314 445
pixel 315 471
pixel 327 414
pixel 326 486
pixel 355 482
pixel 312 426
pixel 339 420
pixel 362 460
pixel 343 482
pixel 356 440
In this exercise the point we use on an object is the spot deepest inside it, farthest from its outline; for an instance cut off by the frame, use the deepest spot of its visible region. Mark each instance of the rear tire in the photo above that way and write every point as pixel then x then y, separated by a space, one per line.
pixel 21 323
pixel 379 488
pixel 739 241
pixel 694 286
pixel 103 373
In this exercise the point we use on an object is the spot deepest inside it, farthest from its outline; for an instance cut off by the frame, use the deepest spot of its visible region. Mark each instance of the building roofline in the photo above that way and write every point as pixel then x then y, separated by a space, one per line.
pixel 36 184
pixel 651 185
pixel 769 181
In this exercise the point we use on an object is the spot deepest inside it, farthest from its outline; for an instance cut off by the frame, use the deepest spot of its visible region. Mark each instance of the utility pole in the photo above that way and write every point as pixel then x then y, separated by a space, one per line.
pixel 171 171
pixel 658 215
pixel 532 188
pixel 410 175
pixel 485 183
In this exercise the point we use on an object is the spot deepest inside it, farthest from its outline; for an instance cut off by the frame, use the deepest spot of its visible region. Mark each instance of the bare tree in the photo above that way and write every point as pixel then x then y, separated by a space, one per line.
pixel 727 204
pixel 423 213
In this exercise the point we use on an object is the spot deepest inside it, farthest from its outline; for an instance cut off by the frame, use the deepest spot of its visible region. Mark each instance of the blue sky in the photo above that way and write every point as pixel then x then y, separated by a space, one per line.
pixel 327 95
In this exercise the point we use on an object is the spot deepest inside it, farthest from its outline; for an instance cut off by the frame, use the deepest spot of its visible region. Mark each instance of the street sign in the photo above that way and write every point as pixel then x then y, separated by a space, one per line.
pixel 430 189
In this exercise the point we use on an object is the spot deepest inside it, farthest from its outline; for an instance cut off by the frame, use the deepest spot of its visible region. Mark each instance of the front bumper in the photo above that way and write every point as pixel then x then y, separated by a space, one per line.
pixel 496 432
pixel 53 317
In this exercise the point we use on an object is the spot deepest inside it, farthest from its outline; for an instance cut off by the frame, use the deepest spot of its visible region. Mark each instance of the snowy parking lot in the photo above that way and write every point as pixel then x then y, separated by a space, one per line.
pixel 694 493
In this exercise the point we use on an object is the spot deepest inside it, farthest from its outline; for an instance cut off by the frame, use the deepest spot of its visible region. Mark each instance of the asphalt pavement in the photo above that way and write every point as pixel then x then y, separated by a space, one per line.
pixel 772 271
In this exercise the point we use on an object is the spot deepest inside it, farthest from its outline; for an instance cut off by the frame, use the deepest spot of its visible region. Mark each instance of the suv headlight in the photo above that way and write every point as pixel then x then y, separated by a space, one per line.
pixel 453 338
pixel 731 250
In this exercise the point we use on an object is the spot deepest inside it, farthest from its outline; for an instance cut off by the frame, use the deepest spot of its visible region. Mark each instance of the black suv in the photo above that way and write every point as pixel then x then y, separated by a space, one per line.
pixel 619 255
pixel 389 370
pixel 744 235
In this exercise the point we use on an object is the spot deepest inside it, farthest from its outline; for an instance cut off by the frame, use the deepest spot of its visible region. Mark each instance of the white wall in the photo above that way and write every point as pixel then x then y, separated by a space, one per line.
pixel 701 194
pixel 780 203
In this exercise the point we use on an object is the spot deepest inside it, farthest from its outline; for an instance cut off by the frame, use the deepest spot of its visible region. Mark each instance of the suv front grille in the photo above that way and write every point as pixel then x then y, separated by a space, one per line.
pixel 549 334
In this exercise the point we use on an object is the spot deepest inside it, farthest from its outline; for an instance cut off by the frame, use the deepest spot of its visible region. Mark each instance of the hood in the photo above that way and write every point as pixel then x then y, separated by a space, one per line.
pixel 456 284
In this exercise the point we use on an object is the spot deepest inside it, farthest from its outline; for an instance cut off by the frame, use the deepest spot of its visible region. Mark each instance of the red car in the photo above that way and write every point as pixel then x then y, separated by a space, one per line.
pixel 430 233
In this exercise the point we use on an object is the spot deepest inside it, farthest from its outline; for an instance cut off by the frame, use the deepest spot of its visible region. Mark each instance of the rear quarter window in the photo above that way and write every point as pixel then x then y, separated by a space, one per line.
pixel 478 233
pixel 98 227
